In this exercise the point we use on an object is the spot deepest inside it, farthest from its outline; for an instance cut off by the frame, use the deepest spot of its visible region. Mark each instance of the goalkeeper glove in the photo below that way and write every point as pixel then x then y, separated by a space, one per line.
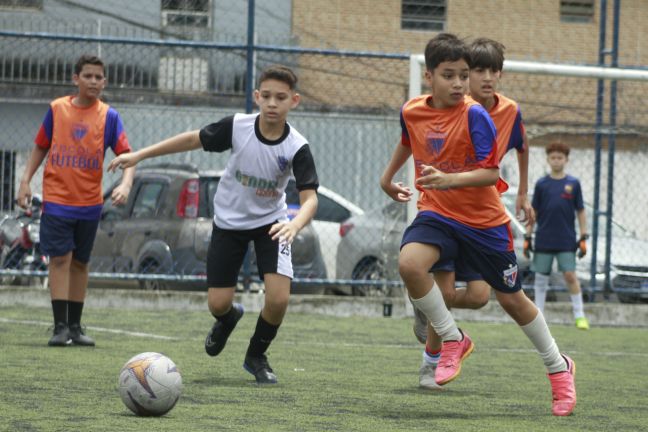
pixel 581 246
pixel 527 247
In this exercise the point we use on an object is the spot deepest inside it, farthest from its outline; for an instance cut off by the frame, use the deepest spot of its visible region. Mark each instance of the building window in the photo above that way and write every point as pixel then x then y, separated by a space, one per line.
pixel 21 4
pixel 427 15
pixel 186 13
pixel 581 11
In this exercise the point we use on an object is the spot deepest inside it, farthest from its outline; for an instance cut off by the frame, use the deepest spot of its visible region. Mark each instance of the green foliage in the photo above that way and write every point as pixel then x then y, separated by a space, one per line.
pixel 335 374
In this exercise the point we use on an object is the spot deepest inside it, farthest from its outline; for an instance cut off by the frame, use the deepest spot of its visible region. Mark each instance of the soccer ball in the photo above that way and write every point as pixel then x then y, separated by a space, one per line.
pixel 150 384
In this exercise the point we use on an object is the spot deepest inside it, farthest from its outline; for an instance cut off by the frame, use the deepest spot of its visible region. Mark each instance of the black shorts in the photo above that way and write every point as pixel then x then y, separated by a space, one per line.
pixel 227 250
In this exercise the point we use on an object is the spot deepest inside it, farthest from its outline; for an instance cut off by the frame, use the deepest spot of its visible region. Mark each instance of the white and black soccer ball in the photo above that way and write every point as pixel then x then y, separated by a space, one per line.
pixel 150 384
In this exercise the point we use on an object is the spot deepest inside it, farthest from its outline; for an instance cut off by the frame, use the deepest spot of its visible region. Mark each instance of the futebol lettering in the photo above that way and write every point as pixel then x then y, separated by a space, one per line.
pixel 81 162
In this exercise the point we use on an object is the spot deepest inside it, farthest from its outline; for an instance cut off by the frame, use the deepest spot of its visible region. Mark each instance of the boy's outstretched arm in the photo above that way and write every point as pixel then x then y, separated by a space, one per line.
pixel 182 142
pixel 24 190
pixel 287 231
pixel 396 191
pixel 433 178
pixel 523 209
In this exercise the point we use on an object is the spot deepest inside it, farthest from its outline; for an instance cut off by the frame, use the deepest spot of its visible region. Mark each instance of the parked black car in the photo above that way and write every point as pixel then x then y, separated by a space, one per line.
pixel 165 228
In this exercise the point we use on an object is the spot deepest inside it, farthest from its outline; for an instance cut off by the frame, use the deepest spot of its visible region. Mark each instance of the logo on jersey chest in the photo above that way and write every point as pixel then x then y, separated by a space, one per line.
pixel 568 192
pixel 283 163
pixel 79 130
pixel 434 140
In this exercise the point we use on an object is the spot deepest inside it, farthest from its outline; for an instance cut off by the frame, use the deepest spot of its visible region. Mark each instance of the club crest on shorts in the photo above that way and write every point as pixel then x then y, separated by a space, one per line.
pixel 510 276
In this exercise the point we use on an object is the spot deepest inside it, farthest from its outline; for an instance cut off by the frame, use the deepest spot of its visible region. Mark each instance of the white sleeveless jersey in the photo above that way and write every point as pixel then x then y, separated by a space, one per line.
pixel 251 192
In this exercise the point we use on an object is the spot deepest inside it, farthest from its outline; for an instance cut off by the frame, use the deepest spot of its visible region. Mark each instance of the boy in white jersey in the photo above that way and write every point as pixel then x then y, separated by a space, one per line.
pixel 250 205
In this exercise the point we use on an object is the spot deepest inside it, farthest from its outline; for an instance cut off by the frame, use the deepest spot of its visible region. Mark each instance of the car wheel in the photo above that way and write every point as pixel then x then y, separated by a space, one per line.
pixel 373 270
pixel 151 267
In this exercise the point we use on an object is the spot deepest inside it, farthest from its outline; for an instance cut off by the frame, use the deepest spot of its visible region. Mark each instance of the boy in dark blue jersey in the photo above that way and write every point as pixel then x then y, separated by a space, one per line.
pixel 556 199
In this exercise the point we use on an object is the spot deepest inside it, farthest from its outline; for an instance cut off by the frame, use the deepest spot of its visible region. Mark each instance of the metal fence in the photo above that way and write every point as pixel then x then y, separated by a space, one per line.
pixel 349 113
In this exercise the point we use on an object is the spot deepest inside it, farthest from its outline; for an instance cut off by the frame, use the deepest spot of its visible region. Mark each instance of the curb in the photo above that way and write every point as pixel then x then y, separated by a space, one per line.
pixel 599 314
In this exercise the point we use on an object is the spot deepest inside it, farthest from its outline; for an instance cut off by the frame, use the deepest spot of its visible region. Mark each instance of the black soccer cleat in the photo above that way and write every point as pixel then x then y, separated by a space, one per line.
pixel 219 333
pixel 60 335
pixel 260 368
pixel 78 337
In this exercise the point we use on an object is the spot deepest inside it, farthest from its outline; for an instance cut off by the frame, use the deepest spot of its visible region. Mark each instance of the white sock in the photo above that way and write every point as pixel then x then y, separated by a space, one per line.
pixel 431 359
pixel 577 305
pixel 539 334
pixel 434 308
pixel 541 286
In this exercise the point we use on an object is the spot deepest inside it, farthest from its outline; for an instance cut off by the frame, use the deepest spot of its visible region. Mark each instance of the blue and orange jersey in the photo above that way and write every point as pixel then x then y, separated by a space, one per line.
pixel 507 118
pixel 77 139
pixel 510 128
pixel 457 139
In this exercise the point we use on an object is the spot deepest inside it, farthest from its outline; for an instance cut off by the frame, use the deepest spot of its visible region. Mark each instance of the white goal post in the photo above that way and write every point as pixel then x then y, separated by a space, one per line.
pixel 417 66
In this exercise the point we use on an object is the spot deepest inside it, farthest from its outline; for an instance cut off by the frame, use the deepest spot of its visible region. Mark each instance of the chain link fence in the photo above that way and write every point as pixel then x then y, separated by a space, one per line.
pixel 350 115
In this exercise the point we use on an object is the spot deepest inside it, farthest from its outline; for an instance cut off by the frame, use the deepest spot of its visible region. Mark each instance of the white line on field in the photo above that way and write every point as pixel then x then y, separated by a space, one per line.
pixel 100 329
pixel 329 344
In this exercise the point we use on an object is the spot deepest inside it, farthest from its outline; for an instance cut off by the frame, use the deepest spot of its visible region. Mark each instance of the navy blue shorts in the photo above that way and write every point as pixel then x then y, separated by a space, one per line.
pixel 463 271
pixel 60 235
pixel 427 230
pixel 463 251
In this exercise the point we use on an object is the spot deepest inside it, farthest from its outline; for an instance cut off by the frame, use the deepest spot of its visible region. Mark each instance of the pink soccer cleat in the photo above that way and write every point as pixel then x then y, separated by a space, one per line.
pixel 452 354
pixel 563 389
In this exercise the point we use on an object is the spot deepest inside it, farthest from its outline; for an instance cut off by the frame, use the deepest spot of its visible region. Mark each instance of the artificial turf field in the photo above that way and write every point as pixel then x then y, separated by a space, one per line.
pixel 335 374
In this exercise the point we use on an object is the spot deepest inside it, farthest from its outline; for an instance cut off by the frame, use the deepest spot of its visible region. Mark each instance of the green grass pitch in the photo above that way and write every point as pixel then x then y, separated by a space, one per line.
pixel 335 374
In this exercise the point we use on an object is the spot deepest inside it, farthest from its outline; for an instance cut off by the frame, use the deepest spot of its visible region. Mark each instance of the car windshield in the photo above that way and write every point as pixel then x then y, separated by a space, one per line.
pixel 618 230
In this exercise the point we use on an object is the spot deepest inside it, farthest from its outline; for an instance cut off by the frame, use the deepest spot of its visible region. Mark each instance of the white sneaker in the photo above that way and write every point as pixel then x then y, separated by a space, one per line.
pixel 420 326
pixel 426 376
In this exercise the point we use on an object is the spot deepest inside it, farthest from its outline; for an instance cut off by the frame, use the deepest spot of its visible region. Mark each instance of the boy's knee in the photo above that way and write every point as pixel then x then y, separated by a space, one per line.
pixel 570 277
pixel 408 269
pixel 277 304
pixel 78 265
pixel 479 300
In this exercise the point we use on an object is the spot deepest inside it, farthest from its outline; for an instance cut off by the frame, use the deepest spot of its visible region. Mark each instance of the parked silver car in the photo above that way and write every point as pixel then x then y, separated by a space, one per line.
pixel 165 228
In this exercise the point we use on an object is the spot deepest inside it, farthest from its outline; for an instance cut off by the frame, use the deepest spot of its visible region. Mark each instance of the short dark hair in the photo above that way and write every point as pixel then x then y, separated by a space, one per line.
pixel 558 146
pixel 445 47
pixel 487 54
pixel 279 73
pixel 87 59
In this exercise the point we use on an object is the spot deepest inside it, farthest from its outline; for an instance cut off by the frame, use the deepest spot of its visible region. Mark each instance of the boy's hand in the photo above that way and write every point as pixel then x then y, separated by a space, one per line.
pixel 432 178
pixel 284 232
pixel 119 195
pixel 581 245
pixel 524 210
pixel 24 195
pixel 124 160
pixel 397 191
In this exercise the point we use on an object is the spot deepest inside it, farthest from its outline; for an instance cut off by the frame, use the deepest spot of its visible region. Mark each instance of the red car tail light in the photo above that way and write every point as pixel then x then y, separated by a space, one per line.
pixel 345 228
pixel 187 206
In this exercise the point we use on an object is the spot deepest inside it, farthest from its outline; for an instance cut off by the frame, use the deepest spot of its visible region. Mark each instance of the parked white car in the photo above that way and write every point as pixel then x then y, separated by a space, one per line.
pixel 332 210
